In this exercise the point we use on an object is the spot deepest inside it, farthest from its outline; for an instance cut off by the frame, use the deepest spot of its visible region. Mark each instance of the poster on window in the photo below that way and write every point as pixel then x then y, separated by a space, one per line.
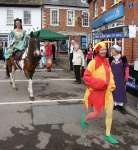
pixel 132 31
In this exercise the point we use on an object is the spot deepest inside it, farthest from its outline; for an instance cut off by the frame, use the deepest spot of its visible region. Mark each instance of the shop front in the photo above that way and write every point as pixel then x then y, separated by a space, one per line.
pixel 110 26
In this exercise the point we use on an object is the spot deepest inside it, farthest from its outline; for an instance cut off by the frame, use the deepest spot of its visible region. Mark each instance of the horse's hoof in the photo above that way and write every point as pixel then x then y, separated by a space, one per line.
pixel 32 98
pixel 15 88
pixel 10 83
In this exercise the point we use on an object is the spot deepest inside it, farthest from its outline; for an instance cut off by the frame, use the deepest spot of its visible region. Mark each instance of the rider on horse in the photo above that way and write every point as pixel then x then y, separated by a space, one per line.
pixel 18 42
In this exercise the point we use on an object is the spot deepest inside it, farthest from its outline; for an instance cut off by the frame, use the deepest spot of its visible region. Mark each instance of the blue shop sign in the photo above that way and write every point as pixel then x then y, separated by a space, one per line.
pixel 108 17
pixel 109 35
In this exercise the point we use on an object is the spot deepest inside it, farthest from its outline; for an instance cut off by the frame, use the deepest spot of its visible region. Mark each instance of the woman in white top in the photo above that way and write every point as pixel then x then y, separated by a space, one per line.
pixel 78 62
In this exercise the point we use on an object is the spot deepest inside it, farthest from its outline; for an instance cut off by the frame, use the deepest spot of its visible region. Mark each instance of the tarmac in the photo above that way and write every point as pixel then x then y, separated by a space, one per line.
pixel 132 97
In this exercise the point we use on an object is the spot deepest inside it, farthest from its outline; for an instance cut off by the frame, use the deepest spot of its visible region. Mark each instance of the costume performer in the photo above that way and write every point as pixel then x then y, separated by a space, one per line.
pixel 18 39
pixel 120 69
pixel 100 84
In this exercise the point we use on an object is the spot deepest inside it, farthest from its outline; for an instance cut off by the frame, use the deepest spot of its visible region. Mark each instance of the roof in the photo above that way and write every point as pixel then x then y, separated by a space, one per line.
pixel 21 2
pixel 68 3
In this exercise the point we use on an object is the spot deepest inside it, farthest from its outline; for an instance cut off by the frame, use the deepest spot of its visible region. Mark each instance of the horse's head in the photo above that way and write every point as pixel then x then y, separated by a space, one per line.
pixel 34 44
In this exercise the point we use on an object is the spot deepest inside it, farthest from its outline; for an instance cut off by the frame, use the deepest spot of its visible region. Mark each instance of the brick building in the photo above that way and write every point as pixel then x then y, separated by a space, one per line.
pixel 110 20
pixel 69 17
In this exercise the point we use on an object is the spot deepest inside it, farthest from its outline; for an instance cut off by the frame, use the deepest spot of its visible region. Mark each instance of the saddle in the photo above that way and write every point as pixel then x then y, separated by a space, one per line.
pixel 17 58
pixel 18 55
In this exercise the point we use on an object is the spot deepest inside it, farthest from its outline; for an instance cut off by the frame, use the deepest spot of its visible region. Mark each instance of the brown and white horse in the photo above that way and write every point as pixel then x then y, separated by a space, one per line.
pixel 29 61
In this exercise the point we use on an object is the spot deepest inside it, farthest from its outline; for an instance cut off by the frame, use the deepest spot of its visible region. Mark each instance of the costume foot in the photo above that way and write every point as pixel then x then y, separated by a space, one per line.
pixel 83 121
pixel 110 139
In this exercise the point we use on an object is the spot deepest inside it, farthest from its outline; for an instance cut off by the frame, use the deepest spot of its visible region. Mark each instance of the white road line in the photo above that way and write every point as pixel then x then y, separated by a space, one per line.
pixel 37 70
pixel 40 80
pixel 40 102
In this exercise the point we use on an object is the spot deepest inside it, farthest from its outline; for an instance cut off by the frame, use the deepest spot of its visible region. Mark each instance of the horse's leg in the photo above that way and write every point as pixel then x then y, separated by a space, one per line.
pixel 30 89
pixel 12 77
pixel 30 84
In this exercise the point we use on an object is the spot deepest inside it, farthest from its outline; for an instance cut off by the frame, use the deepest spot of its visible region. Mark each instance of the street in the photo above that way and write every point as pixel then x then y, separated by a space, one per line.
pixel 52 120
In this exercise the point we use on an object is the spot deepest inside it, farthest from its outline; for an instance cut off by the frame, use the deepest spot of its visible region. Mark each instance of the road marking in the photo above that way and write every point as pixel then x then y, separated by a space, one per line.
pixel 40 80
pixel 37 70
pixel 40 102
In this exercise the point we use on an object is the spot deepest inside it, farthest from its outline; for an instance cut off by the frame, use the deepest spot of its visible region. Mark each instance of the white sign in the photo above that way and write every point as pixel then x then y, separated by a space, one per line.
pixel 136 65
pixel 132 31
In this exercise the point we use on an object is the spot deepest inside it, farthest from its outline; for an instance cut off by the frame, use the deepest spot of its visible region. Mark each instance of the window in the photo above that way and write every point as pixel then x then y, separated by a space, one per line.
pixel 103 5
pixel 27 17
pixel 10 18
pixel 54 17
pixel 84 42
pixel 85 19
pixel 70 18
pixel 95 8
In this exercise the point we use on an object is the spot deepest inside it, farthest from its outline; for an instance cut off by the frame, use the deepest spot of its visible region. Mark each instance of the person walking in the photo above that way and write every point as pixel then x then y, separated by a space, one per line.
pixel 89 53
pixel 100 84
pixel 71 50
pixel 120 71
pixel 48 48
pixel 54 51
pixel 78 62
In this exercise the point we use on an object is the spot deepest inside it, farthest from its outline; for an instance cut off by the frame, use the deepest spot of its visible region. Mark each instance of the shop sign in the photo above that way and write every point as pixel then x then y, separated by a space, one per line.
pixel 109 16
pixel 109 35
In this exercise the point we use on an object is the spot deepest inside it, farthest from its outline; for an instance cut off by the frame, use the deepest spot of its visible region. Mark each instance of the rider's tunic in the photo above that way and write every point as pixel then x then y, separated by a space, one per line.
pixel 18 42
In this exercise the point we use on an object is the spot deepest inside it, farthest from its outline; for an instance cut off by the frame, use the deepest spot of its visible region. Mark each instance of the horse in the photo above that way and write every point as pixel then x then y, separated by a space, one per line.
pixel 29 61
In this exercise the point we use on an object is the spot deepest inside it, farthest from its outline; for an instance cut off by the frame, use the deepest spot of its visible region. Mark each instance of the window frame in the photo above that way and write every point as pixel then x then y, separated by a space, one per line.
pixel 95 6
pixel 30 19
pixel 104 5
pixel 51 19
pixel 73 19
pixel 11 17
pixel 85 11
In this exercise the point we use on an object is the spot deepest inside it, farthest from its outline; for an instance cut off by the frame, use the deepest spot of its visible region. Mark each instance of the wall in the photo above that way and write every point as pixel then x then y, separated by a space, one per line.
pixel 18 13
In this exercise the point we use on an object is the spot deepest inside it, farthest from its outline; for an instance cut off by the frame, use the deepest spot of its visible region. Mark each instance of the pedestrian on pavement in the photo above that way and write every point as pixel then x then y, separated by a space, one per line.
pixel 43 55
pixel 89 53
pixel 54 51
pixel 71 50
pixel 78 62
pixel 120 69
pixel 48 48
pixel 100 84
